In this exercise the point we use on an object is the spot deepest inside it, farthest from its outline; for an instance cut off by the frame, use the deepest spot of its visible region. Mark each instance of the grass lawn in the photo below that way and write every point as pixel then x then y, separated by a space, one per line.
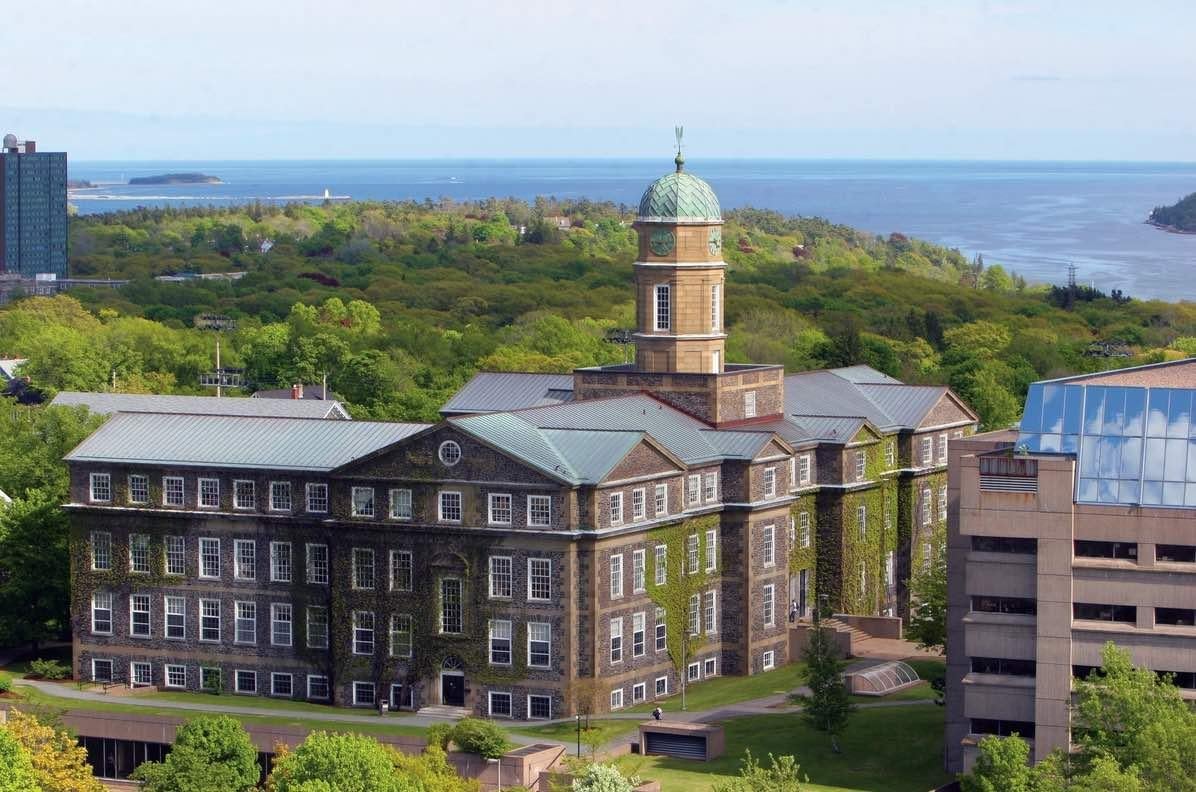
pixel 719 692
pixel 890 749
pixel 60 653
pixel 601 731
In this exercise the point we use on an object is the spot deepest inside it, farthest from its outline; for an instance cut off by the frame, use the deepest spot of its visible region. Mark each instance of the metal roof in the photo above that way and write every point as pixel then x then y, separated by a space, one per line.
pixel 236 441
pixel 859 391
pixel 861 374
pixel 829 428
pixel 906 405
pixel 493 391
pixel 108 403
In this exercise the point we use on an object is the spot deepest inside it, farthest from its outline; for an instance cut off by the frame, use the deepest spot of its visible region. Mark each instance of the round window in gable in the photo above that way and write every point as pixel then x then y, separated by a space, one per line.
pixel 450 452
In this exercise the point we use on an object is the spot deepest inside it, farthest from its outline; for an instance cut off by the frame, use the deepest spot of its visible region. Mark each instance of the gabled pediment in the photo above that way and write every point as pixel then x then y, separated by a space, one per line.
pixel 949 409
pixel 646 458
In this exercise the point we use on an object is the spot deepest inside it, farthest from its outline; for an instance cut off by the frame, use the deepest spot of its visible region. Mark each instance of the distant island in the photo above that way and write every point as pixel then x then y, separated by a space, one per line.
pixel 1180 217
pixel 78 184
pixel 176 178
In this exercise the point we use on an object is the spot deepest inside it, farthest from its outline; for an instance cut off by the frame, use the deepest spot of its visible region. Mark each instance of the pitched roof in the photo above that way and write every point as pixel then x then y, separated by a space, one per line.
pixel 107 403
pixel 494 391
pixel 300 444
pixel 812 397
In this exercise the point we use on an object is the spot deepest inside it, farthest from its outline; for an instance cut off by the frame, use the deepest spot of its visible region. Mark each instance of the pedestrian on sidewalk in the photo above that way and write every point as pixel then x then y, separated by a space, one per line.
pixel 658 713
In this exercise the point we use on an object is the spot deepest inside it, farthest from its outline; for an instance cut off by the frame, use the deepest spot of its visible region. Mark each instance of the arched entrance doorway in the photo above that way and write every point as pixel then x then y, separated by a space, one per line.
pixel 452 682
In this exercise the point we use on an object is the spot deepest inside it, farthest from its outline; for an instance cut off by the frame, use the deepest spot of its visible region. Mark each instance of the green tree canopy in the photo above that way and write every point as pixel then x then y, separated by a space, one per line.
pixel 212 753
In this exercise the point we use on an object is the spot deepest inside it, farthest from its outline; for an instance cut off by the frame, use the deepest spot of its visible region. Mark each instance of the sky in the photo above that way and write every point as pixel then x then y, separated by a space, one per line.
pixel 279 79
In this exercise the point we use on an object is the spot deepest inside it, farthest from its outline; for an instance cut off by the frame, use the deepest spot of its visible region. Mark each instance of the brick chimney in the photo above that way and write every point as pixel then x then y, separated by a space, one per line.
pixel 297 390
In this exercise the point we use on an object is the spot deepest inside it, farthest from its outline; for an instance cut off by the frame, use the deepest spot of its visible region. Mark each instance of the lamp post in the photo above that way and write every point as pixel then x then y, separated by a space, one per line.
pixel 578 716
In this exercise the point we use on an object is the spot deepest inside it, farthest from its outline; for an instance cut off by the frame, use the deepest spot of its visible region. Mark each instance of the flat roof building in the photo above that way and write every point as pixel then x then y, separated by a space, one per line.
pixel 33 224
pixel 1077 529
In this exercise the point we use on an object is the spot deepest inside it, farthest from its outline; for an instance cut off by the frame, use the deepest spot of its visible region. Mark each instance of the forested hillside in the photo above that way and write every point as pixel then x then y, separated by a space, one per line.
pixel 1180 216
pixel 400 303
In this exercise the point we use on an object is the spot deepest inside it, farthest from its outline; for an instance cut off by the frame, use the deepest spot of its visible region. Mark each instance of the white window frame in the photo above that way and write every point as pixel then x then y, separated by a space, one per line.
pixel 660 629
pixel 660 500
pixel 139 554
pixel 770 482
pixel 494 508
pixel 282 562
pixel 749 404
pixel 361 644
pixel 615 502
pixel 546 638
pixel 251 674
pixel 861 464
pixel 408 568
pixel 500 634
pixel 693 672
pixel 460 594
pixel 942 503
pixel 660 564
pixel 639 634
pixel 207 493
pixel 692 554
pixel 533 576
pixel 710 612
pixel 804 470
pixel 360 688
pixel 662 298
pixel 710 667
pixel 95 607
pixel 174 549
pixel 715 307
pixel 98 485
pixel 537 503
pixel 241 569
pixel 768 661
pixel 169 671
pixel 530 708
pixel 444 498
pixel 136 666
pixel 136 482
pixel 280 496
pixel 638 571
pixel 660 689
pixel 209 542
pixel 277 618
pixel 616 699
pixel 639 504
pixel 449 453
pixel 168 483
pixel 694 614
pixel 768 605
pixel 244 501
pixel 317 680
pixel 768 544
pixel 111 670
pixel 491 695
pixel 941 448
pixel 890 454
pixel 639 692
pixel 101 548
pixel 926 506
pixel 710 487
pixel 711 549
pixel 693 490
pixel 616 576
pixel 402 504
pixel 803 534
pixel 135 599
pixel 501 570
pixel 174 606
pixel 316 497
pixel 926 445
pixel 239 621
pixel 275 677
pixel 861 520
pixel 616 641
pixel 402 635
pixel 316 638
pixel 364 562
pixel 318 572
pixel 204 617
pixel 365 509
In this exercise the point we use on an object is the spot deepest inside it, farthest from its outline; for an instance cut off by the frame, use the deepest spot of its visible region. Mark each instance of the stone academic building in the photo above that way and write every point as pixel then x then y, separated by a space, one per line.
pixel 604 535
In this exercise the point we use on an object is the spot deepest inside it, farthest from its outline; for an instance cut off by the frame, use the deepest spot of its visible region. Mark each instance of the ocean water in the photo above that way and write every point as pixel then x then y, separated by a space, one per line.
pixel 1032 217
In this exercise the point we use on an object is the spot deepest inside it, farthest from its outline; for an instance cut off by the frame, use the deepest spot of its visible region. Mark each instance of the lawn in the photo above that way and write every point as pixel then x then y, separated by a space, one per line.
pixel 888 749
pixel 721 691
pixel 601 731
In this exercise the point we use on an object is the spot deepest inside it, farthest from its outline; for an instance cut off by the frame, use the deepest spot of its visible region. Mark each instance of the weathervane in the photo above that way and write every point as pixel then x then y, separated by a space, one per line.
pixel 679 131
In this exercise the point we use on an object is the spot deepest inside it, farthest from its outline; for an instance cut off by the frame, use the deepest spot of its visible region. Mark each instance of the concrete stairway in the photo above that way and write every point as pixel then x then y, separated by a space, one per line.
pixel 443 711
pixel 858 636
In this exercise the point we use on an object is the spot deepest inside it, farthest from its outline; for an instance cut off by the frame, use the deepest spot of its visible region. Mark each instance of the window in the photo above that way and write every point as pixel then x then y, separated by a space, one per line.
pixel 890 569
pixel 792 533
pixel 710 488
pixel 638 692
pixel 245 681
pixel 926 506
pixel 539 644
pixel 317 687
pixel 770 482
pixel 400 504
pixel 101 550
pixel 209 678
pixel 662 500
pixel 172 490
pixel 363 632
pixel 769 605
pixel 539 579
pixel 176 617
pixel 662 635
pixel 280 562
pixel 691 554
pixel 639 507
pixel 141 673
pixel 101 670
pixel 638 629
pixel 710 613
pixel 101 612
pixel 1000 665
pixel 176 555
pixel 861 465
pixel 1003 728
pixel 500 704
pixel 400 570
pixel 957 434
pixel 282 685
pixel 616 640
pixel 1001 544
pixel 501 577
pixel 317 500
pixel 500 642
pixel 1174 554
pixel 245 626
pixel 1118 613
pixel 138 489
pixel 637 571
pixel 500 509
pixel 317 563
pixel 449 509
pixel 942 448
pixel 768 661
pixel 243 495
pixel 539 707
pixel 317 627
pixel 803 529
pixel 616 508
pixel 363 694
pixel 803 470
pixel 176 676
pixel 660 568
pixel 662 686
pixel 451 615
pixel 616 576
pixel 769 545
pixel 694 613
pixel 1016 605
pixel 400 635
pixel 715 304
pixel 101 488
pixel 616 699
pixel 209 620
pixel 693 672
pixel 244 559
pixel 890 455
pixel 363 501
pixel 280 496
pixel 861 520
pixel 661 307
pixel 281 617
pixel 539 511
pixel 209 558
pixel 863 577
pixel 1127 551
pixel 139 553
pixel 927 552
pixel 710 666
pixel 449 452
pixel 693 490
pixel 139 615
pixel 209 493
pixel 942 501
pixel 363 568
pixel 927 447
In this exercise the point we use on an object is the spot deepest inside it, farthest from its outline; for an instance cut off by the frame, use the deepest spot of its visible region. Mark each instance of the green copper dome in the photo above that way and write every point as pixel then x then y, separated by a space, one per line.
pixel 679 197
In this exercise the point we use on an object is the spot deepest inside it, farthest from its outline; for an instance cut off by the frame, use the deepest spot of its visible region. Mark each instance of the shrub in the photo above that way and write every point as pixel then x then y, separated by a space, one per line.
pixel 48 669
pixel 601 778
pixel 474 735
pixel 440 734
pixel 5 683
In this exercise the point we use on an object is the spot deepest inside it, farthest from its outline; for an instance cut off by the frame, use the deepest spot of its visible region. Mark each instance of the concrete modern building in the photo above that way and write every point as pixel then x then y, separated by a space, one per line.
pixel 1076 530
pixel 33 233
pixel 556 538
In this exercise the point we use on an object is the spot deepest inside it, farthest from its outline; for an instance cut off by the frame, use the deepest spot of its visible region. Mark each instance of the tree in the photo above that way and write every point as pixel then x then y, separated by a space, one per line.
pixel 212 753
pixel 59 763
pixel 355 763
pixel 928 596
pixel 1002 766
pixel 781 775
pixel 34 559
pixel 828 705
pixel 597 777
pixel 16 767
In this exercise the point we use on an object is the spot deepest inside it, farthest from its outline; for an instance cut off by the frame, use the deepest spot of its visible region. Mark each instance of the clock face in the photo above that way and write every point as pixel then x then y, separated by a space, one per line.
pixel 715 242
pixel 662 241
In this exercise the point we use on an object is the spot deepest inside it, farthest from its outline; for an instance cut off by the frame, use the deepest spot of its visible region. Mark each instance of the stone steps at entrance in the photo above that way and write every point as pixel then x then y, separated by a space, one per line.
pixel 443 711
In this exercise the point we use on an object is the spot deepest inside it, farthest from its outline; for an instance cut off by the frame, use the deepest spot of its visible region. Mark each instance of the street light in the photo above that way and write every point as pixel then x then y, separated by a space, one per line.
pixel 578 716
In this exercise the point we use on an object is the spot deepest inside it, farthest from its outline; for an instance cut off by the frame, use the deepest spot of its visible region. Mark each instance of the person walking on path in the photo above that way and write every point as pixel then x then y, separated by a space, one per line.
pixel 657 713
